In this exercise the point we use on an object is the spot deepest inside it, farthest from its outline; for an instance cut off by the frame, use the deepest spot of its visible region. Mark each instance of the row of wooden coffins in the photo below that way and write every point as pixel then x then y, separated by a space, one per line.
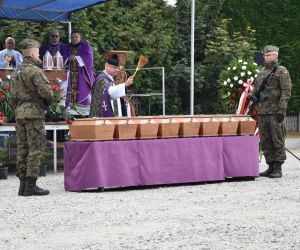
pixel 161 127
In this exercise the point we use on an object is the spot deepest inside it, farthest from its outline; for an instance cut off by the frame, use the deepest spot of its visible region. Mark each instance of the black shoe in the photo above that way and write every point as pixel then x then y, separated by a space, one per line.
pixel 277 173
pixel 22 186
pixel 268 171
pixel 33 190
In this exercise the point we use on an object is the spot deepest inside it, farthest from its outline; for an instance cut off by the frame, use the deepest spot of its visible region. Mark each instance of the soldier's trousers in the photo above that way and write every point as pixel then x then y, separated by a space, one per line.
pixel 30 136
pixel 272 134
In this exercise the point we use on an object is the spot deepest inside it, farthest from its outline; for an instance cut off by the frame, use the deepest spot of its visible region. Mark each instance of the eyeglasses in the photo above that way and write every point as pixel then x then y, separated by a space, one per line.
pixel 54 35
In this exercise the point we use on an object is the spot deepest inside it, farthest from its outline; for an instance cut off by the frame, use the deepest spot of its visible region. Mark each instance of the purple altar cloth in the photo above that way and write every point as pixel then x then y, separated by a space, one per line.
pixel 92 164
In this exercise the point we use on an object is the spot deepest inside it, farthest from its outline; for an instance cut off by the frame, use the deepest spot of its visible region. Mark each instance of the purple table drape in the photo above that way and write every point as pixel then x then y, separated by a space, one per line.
pixel 92 164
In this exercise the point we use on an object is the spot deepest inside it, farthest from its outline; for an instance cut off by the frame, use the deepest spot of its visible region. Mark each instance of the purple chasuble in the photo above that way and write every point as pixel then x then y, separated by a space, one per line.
pixel 53 49
pixel 85 74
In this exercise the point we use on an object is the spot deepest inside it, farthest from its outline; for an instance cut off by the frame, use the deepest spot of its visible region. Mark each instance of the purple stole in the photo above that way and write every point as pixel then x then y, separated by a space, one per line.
pixel 106 108
pixel 85 74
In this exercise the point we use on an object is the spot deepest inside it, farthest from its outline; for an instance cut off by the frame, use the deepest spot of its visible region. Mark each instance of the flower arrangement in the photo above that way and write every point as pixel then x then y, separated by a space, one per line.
pixel 57 106
pixel 6 111
pixel 233 80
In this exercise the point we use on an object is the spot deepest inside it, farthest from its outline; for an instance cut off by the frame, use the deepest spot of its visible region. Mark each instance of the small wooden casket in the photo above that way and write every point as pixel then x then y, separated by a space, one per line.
pixel 209 126
pixel 91 129
pixel 168 127
pixel 228 125
pixel 246 126
pixel 189 126
pixel 124 128
pixel 146 128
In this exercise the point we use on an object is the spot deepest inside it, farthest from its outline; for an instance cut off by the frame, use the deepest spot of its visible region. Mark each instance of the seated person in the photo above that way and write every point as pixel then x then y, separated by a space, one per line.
pixel 10 58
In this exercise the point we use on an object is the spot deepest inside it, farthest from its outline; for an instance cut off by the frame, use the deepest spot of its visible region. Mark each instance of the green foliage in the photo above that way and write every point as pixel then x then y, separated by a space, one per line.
pixel 4 152
pixel 45 156
pixel 38 31
pixel 220 50
pixel 289 54
pixel 225 30
pixel 215 47
pixel 276 23
pixel 145 27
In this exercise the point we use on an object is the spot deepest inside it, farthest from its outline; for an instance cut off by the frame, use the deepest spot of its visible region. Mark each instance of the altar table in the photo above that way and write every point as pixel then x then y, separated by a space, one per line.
pixel 92 164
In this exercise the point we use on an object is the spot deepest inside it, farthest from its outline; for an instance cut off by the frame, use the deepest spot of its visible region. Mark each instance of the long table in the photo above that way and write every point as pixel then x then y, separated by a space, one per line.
pixel 92 164
pixel 49 126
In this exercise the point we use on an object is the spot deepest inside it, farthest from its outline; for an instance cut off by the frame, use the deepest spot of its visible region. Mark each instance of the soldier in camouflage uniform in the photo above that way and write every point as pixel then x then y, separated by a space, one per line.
pixel 29 91
pixel 272 106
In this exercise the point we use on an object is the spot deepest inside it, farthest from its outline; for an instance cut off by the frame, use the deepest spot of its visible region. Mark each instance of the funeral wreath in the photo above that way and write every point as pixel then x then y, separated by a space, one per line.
pixel 233 80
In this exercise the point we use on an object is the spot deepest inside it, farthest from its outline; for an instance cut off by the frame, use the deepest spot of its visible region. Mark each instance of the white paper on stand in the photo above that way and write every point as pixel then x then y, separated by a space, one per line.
pixel 79 61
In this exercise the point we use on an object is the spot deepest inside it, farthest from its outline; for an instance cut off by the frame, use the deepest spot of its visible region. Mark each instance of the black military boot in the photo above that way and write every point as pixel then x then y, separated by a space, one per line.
pixel 268 171
pixel 277 170
pixel 31 189
pixel 22 185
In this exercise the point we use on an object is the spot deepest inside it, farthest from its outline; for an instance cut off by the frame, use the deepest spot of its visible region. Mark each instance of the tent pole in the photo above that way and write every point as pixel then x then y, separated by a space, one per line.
pixel 69 30
pixel 192 55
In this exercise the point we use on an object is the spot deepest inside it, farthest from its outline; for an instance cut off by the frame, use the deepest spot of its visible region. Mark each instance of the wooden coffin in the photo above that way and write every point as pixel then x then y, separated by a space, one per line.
pixel 228 125
pixel 209 126
pixel 146 128
pixel 246 125
pixel 124 128
pixel 91 129
pixel 168 127
pixel 189 126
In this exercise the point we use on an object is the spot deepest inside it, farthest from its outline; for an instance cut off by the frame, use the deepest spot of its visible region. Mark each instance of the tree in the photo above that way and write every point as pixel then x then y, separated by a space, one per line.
pixel 275 23
pixel 215 47
pixel 145 27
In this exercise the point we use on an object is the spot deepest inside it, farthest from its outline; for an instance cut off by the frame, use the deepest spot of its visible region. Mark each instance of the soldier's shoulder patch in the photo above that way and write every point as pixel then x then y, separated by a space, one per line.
pixel 283 70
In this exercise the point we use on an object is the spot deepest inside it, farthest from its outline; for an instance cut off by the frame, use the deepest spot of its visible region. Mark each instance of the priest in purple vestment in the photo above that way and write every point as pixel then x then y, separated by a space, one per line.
pixel 53 46
pixel 81 79
pixel 106 101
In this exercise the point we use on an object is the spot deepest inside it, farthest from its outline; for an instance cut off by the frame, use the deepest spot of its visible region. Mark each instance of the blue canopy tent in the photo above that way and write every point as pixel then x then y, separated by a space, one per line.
pixel 43 10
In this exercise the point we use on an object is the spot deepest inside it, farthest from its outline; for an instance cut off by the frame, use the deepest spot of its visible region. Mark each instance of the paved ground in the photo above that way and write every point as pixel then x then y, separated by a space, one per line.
pixel 260 214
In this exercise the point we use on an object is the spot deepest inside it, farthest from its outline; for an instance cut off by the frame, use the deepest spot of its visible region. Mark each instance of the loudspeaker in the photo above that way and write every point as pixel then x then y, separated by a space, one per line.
pixel 259 57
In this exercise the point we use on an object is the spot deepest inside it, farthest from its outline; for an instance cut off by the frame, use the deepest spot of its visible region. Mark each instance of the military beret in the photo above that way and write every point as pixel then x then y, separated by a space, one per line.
pixel 30 43
pixel 271 48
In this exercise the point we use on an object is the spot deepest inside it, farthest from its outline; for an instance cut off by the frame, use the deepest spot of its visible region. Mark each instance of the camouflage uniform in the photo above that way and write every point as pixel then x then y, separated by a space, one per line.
pixel 28 92
pixel 272 110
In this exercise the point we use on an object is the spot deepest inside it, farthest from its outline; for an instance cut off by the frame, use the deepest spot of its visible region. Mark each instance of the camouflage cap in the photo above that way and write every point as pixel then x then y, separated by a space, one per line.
pixel 30 43
pixel 271 48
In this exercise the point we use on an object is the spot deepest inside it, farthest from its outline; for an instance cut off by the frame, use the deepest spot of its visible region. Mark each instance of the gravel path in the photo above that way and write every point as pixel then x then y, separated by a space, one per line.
pixel 260 214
